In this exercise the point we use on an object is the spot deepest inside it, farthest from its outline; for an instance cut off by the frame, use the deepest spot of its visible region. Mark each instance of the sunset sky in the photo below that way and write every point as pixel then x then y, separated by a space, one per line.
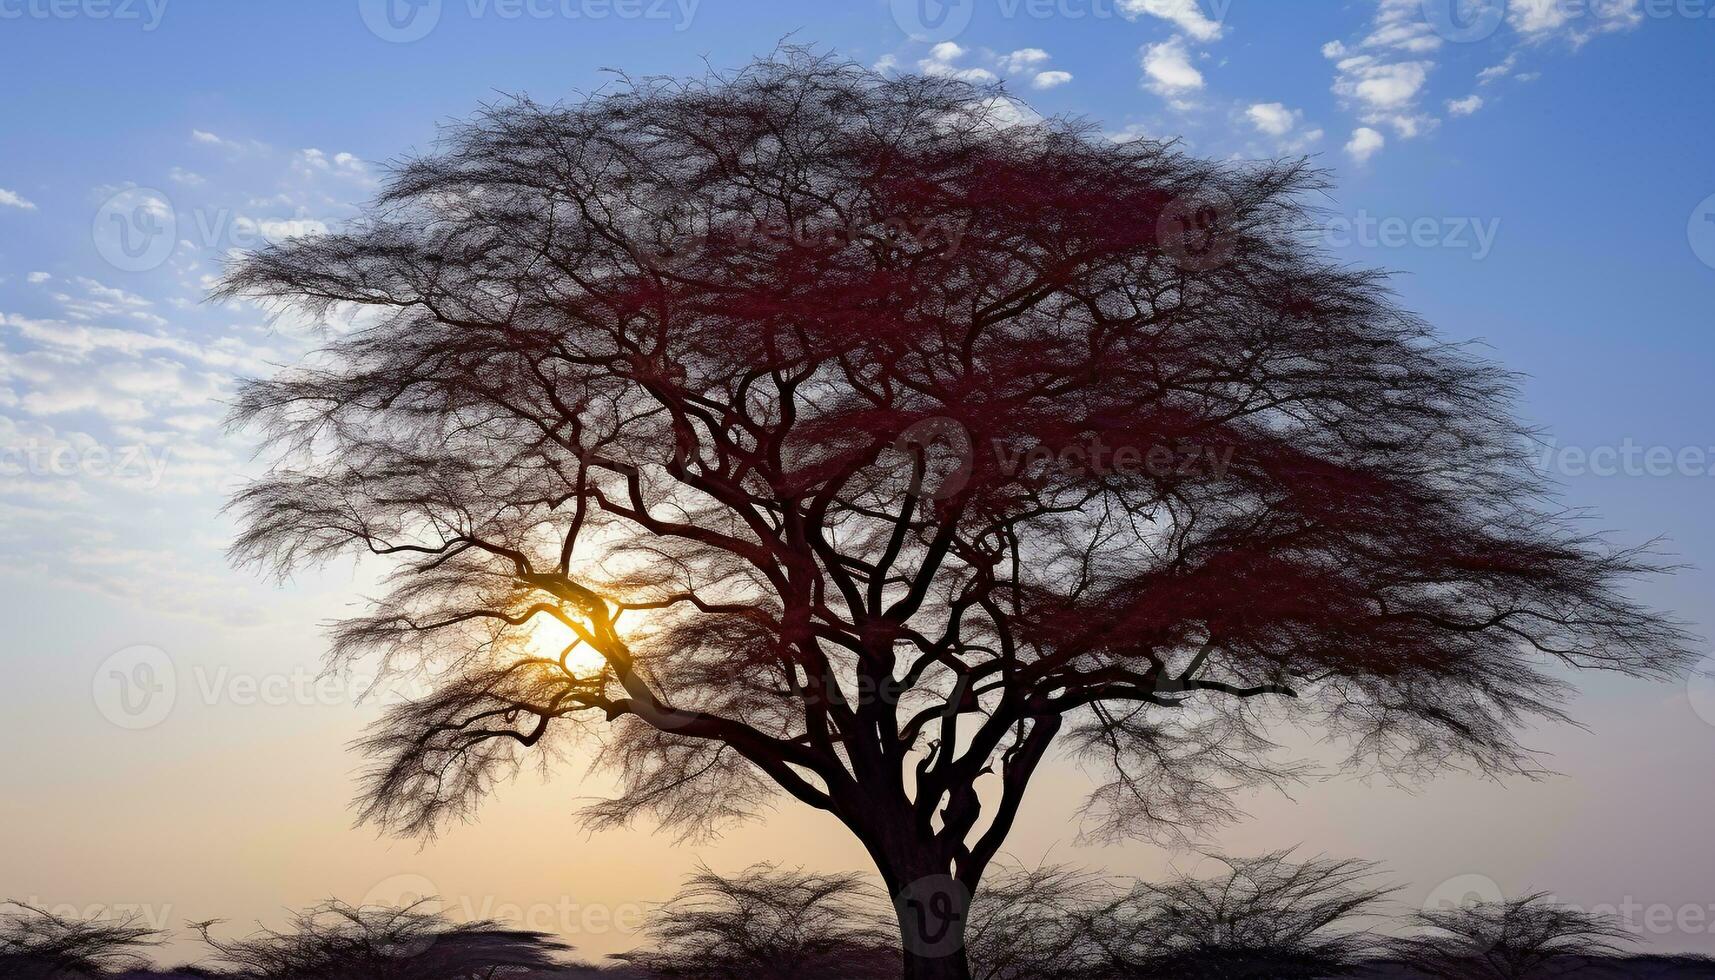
pixel 1541 173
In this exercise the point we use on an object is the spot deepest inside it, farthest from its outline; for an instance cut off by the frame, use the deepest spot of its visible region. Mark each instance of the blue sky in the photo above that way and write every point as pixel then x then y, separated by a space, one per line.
pixel 1538 172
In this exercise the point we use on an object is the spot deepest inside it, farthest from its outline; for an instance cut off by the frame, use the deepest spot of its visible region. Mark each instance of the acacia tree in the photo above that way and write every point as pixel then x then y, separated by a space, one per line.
pixel 335 941
pixel 870 436
pixel 770 923
pixel 1528 938
pixel 36 944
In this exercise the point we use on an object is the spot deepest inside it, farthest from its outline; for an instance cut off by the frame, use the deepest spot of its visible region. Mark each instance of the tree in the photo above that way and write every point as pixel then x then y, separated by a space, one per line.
pixel 36 944
pixel 867 438
pixel 769 923
pixel 1265 918
pixel 336 941
pixel 1528 938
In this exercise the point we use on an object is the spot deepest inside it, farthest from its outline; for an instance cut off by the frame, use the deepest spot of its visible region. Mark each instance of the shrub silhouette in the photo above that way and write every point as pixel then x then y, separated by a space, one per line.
pixel 36 944
pixel 769 923
pixel 1264 918
pixel 1527 938
pixel 336 941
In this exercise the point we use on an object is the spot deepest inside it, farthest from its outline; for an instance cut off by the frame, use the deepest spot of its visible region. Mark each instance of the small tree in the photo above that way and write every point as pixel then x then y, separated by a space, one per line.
pixel 1265 918
pixel 768 923
pixel 865 439
pixel 1529 938
pixel 36 944
pixel 336 941
pixel 1041 923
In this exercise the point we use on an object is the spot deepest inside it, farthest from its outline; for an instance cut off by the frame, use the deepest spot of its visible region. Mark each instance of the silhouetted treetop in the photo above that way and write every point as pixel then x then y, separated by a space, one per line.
pixel 871 433
pixel 38 944
pixel 336 941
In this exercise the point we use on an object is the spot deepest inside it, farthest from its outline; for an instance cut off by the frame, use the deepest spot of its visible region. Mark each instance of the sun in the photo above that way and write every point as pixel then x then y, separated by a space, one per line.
pixel 550 638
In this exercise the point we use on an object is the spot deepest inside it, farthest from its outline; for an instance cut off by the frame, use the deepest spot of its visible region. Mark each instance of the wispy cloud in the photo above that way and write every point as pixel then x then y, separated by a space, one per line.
pixel 1186 15
pixel 12 199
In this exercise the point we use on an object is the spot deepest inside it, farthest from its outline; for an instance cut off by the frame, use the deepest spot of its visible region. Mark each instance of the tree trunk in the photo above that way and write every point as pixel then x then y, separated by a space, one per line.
pixel 932 908
pixel 954 966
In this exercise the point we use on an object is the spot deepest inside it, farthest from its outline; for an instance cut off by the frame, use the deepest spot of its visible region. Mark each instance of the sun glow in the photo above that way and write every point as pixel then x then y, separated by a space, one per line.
pixel 554 640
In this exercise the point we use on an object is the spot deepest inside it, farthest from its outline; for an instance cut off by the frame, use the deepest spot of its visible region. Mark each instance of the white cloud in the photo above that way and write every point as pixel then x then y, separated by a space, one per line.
pixel 1186 15
pixel 946 51
pixel 1540 20
pixel 940 62
pixel 1365 143
pixel 1130 133
pixel 37 278
pixel 236 147
pixel 1169 70
pixel 1273 118
pixel 1050 79
pixel 1382 85
pixel 1334 49
pixel 180 175
pixel 1024 59
pixel 1499 71
pixel 11 199
pixel 312 161
pixel 886 63
pixel 1465 106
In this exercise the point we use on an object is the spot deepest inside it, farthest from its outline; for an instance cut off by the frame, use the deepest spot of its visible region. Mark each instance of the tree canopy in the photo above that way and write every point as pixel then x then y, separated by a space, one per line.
pixel 867 437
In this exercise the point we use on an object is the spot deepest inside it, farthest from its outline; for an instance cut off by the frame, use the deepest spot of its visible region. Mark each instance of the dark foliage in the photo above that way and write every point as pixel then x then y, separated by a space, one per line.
pixel 336 941
pixel 768 923
pixel 732 379
pixel 36 944
pixel 1529 938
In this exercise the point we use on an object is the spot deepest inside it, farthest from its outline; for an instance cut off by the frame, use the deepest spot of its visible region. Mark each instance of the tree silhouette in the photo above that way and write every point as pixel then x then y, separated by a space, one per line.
pixel 36 944
pixel 769 923
pixel 877 437
pixel 336 941
pixel 1265 918
pixel 1528 938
